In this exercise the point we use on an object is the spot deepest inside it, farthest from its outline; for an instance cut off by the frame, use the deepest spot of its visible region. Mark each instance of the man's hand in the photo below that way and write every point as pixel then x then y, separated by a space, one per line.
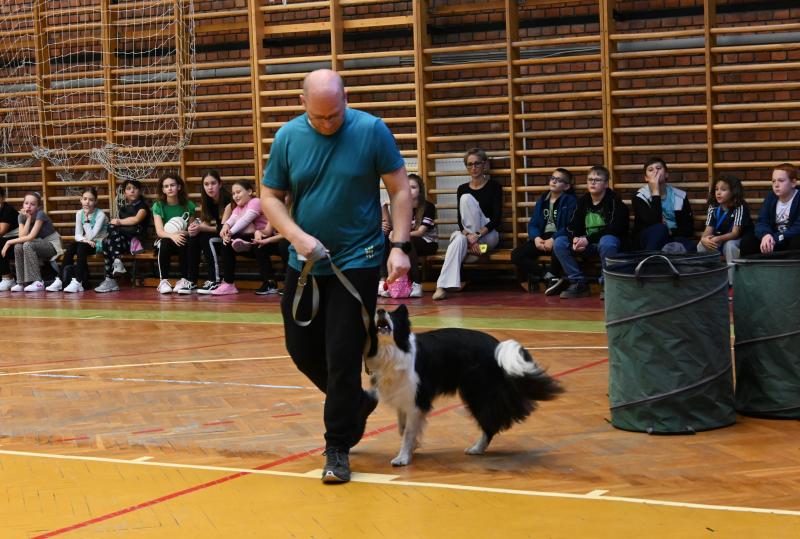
pixel 580 244
pixel 767 244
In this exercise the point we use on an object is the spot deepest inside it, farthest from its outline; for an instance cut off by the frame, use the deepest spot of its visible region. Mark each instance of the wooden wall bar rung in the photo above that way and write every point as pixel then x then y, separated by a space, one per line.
pixel 637 92
pixel 563 96
pixel 465 84
pixel 562 133
pixel 657 53
pixel 466 48
pixel 403 87
pixel 591 113
pixel 659 110
pixel 756 48
pixel 578 150
pixel 469 65
pixel 467 119
pixel 662 148
pixel 377 105
pixel 792 105
pixel 656 35
pixel 791 126
pixel 561 77
pixel 688 128
pixel 758 144
pixel 324 4
pixel 469 101
pixel 658 72
pixel 557 60
pixel 469 138
pixel 309 27
pixel 756 87
pixel 757 67
pixel 391 70
pixel 532 43
pixel 376 54
pixel 745 164
pixel 756 28
pixel 218 14
pixel 295 60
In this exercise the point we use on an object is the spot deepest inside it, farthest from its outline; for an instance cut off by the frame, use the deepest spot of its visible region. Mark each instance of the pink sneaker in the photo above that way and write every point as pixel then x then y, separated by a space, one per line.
pixel 241 246
pixel 224 289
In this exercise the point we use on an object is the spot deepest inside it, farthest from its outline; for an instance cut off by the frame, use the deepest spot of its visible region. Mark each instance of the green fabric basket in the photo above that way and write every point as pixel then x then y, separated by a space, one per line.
pixel 668 325
pixel 766 311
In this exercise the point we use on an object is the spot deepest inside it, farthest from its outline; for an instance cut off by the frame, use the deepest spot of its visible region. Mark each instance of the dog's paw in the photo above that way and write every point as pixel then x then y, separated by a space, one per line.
pixel 475 450
pixel 401 460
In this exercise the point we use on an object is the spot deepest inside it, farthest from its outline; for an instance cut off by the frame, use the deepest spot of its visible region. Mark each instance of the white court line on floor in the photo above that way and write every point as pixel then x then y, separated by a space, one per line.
pixel 566 347
pixel 143 459
pixel 381 479
pixel 167 381
pixel 134 365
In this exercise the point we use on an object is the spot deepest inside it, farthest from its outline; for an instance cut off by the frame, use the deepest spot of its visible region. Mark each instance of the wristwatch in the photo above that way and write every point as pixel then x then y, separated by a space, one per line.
pixel 405 246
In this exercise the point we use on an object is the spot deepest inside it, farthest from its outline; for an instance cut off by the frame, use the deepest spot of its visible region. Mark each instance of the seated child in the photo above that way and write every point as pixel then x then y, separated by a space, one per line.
pixel 778 226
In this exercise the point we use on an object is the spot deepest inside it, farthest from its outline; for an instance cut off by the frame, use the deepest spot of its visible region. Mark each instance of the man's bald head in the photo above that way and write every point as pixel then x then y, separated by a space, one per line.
pixel 325 100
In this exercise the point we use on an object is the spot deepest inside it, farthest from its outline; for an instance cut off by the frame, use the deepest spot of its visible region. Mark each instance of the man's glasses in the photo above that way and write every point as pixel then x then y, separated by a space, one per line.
pixel 475 164
pixel 594 180
pixel 557 179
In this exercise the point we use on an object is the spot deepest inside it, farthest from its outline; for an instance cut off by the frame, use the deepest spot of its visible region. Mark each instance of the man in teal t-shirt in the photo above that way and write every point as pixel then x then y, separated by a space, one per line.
pixel 330 161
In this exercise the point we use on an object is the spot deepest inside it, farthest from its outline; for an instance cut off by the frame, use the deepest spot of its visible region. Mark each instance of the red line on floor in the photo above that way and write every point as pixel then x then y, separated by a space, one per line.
pixel 75 439
pixel 288 415
pixel 217 423
pixel 284 460
pixel 147 431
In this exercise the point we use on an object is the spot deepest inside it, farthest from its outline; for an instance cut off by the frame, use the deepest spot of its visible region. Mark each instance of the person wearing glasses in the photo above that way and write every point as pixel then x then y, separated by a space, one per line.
pixel 598 226
pixel 480 212
pixel 662 213
pixel 550 219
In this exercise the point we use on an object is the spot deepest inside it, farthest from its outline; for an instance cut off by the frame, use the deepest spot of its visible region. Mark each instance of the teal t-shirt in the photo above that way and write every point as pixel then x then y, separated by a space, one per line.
pixel 167 212
pixel 335 185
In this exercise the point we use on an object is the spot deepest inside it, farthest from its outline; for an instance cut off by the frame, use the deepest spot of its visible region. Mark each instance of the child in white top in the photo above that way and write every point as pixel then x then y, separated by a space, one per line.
pixel 91 227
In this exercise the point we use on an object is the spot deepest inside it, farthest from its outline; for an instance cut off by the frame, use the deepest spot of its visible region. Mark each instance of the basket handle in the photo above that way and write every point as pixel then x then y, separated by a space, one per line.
pixel 640 265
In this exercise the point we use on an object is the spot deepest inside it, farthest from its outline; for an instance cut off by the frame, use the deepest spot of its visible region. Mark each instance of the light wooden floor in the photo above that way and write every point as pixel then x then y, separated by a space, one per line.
pixel 147 416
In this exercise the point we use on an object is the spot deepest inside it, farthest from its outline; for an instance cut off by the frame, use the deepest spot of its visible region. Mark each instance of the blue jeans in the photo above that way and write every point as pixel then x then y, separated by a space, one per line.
pixel 562 247
pixel 655 237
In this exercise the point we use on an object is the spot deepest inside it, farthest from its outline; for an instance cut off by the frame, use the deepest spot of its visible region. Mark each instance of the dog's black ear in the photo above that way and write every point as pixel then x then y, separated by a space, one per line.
pixel 401 325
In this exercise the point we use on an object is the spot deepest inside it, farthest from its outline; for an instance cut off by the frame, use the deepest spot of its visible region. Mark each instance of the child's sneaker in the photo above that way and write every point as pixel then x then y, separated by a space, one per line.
pixel 164 287
pixel 224 289
pixel 416 290
pixel 36 286
pixel 7 284
pixel 268 288
pixel 55 286
pixel 381 286
pixel 207 288
pixel 576 290
pixel 108 285
pixel 183 287
pixel 73 287
pixel 17 288
pixel 117 267
pixel 241 246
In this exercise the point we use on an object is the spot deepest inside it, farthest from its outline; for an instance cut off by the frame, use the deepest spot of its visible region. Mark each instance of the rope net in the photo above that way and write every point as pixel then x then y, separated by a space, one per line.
pixel 61 59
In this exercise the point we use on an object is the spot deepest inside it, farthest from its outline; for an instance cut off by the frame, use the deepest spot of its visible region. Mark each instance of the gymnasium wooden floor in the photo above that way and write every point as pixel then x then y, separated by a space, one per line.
pixel 134 415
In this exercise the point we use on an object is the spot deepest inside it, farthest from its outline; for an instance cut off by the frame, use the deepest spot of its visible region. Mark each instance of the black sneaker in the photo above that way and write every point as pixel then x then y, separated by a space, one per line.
pixel 555 286
pixel 337 466
pixel 267 288
pixel 368 405
pixel 207 288
pixel 576 290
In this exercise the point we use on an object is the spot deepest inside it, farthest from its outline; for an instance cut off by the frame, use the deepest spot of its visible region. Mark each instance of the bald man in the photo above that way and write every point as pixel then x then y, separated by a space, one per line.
pixel 330 160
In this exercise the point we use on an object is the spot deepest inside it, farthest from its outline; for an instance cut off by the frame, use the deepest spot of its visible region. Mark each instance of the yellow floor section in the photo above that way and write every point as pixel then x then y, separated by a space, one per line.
pixel 41 495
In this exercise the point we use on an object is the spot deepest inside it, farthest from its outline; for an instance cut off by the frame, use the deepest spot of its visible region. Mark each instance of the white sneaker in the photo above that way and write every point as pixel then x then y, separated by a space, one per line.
pixel 183 287
pixel 164 287
pixel 7 284
pixel 74 286
pixel 416 290
pixel 17 288
pixel 37 286
pixel 108 285
pixel 117 267
pixel 55 286
pixel 381 287
pixel 384 294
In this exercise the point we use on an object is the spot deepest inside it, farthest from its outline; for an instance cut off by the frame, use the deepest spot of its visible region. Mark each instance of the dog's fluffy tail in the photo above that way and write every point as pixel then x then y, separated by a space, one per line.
pixel 529 378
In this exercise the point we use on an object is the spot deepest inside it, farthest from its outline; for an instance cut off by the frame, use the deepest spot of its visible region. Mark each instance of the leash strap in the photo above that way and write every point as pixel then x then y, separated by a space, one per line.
pixel 302 281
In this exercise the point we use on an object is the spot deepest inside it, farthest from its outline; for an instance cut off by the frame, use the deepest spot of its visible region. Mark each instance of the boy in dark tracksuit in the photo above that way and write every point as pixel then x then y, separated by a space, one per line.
pixel 550 219
pixel 598 226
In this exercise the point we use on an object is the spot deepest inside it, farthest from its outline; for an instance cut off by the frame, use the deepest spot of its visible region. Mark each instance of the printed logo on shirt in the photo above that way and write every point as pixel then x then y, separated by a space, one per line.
pixel 595 222
pixel 369 252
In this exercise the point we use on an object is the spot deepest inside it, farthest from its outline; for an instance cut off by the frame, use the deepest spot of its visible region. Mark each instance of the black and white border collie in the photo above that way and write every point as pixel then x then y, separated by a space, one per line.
pixel 499 382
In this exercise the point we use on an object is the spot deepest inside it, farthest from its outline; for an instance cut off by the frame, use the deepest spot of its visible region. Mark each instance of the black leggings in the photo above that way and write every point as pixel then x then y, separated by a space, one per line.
pixel 260 254
pixel 526 259
pixel 751 245
pixel 329 350
pixel 5 261
pixel 202 244
pixel 166 249
pixel 80 270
